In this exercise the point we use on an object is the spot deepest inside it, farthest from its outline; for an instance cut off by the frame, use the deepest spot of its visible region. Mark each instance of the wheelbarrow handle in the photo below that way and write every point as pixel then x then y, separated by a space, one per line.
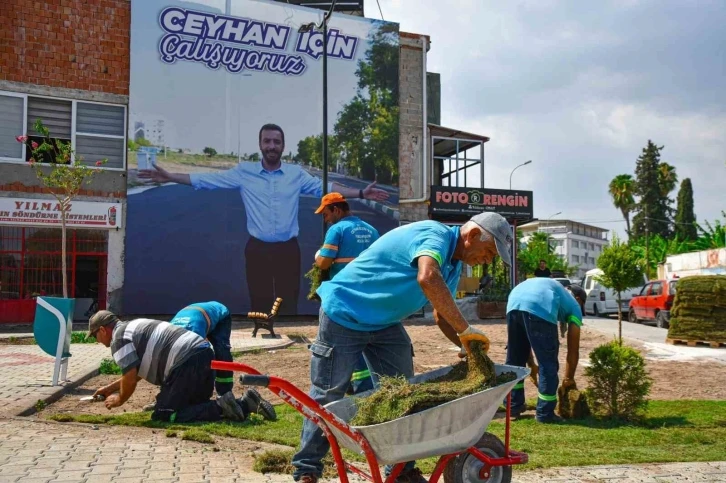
pixel 254 380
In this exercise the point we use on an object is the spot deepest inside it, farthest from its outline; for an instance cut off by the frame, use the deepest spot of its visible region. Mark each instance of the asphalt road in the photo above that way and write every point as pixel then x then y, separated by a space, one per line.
pixel 358 184
pixel 185 246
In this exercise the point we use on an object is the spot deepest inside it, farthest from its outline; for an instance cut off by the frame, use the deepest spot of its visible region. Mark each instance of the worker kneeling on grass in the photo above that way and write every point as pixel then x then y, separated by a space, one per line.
pixel 362 308
pixel 211 321
pixel 177 360
pixel 534 309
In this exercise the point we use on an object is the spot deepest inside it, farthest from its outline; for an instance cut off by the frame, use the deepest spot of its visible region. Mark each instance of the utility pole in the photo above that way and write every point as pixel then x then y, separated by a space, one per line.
pixel 647 258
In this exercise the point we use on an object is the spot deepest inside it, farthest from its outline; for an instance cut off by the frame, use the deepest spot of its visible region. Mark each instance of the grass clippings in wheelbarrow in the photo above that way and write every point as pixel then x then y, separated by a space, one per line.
pixel 396 397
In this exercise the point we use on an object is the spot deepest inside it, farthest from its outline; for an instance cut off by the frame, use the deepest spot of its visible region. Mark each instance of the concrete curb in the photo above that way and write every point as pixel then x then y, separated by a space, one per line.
pixel 281 345
pixel 87 373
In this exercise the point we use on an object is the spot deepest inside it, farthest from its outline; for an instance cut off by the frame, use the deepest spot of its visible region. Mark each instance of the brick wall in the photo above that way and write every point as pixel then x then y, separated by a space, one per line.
pixel 73 44
pixel 411 137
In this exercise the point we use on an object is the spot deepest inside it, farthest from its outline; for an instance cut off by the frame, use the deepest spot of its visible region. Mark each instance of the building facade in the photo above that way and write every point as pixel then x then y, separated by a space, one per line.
pixel 578 243
pixel 67 64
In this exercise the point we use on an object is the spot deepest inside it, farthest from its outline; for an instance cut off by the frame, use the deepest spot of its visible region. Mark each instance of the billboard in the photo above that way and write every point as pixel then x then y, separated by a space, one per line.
pixel 452 201
pixel 225 148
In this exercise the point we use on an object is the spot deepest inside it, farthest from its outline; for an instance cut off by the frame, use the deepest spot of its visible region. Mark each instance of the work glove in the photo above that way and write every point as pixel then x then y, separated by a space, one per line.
pixel 471 334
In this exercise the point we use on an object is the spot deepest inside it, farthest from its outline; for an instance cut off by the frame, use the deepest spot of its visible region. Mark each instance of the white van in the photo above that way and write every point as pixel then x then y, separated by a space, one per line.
pixel 603 301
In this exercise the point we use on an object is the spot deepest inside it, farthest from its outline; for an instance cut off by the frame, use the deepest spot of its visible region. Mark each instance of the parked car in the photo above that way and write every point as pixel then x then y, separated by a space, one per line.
pixel 604 301
pixel 654 303
pixel 566 282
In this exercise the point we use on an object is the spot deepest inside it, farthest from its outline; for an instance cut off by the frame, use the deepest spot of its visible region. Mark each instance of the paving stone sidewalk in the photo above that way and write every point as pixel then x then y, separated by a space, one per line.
pixel 26 371
pixel 41 452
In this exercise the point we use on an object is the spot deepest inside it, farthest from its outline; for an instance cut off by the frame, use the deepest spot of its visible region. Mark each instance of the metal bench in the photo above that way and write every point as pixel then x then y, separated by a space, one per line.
pixel 263 320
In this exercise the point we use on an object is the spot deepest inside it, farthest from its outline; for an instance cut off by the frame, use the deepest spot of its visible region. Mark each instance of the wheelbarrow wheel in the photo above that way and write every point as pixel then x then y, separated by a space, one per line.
pixel 465 467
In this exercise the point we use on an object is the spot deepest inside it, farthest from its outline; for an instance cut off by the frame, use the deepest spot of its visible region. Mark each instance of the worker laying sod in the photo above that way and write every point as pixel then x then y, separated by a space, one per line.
pixel 396 397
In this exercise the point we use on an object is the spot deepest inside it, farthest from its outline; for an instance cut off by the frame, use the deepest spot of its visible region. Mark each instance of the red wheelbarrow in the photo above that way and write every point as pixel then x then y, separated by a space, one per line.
pixel 454 431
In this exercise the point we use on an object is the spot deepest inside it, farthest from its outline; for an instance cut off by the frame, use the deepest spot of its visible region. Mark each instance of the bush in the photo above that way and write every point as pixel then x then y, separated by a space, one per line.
pixel 619 384
pixel 109 366
pixel 82 338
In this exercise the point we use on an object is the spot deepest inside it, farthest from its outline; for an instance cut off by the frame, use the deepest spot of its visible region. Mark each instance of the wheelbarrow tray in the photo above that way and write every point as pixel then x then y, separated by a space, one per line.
pixel 451 427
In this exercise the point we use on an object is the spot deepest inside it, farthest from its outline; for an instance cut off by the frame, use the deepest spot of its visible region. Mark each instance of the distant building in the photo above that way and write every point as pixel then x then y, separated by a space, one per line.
pixel 578 243
pixel 152 129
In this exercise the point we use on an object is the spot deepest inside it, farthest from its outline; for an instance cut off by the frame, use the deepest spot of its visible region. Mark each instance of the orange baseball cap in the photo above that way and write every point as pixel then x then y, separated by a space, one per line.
pixel 329 199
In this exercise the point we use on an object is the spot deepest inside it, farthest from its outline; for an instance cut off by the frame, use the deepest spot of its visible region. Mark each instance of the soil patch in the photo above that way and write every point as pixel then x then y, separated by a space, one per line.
pixel 432 350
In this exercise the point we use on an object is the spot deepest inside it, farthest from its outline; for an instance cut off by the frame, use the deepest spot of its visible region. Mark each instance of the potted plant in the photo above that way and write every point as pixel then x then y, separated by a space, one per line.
pixel 62 173
pixel 492 303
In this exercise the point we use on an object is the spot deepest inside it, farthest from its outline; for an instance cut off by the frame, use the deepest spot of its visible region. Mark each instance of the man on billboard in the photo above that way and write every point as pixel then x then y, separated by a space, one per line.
pixel 270 191
pixel 363 306
pixel 344 241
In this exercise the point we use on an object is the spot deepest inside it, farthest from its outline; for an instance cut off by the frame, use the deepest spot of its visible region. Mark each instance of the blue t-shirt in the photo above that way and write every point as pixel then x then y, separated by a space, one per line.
pixel 193 319
pixel 379 288
pixel 345 240
pixel 547 299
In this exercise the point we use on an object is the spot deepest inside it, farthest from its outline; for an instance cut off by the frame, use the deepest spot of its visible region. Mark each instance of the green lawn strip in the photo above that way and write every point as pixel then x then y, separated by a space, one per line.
pixel 672 431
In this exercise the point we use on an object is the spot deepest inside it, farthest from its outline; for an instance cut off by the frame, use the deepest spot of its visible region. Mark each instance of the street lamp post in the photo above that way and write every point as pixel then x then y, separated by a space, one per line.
pixel 547 231
pixel 310 27
pixel 510 174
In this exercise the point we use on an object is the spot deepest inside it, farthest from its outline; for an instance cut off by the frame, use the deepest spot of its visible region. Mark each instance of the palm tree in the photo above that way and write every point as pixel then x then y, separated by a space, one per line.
pixel 622 189
pixel 667 178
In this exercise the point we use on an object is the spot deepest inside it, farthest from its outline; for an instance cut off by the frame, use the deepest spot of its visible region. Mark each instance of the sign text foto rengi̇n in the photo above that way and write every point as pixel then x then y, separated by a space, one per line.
pixel 452 201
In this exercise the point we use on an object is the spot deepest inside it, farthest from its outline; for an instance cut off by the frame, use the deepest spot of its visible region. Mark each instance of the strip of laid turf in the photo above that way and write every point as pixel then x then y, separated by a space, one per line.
pixel 672 431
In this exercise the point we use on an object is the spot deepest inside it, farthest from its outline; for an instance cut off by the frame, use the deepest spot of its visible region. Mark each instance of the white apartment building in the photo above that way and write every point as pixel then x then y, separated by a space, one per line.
pixel 580 244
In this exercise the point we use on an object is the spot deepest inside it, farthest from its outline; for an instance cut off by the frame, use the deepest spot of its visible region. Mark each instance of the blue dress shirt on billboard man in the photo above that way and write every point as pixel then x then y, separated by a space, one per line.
pixel 271 193
pixel 363 306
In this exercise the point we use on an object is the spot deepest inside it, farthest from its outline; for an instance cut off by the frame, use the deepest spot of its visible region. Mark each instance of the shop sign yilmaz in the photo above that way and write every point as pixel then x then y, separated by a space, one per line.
pixel 45 212
pixel 453 201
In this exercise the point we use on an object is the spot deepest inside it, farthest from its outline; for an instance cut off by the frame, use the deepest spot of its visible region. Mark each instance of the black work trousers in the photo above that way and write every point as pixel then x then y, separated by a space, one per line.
pixel 273 270
pixel 186 392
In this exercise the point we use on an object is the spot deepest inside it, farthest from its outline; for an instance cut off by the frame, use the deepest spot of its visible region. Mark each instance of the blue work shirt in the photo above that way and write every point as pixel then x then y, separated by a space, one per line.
pixel 547 299
pixel 380 288
pixel 271 198
pixel 193 319
pixel 345 240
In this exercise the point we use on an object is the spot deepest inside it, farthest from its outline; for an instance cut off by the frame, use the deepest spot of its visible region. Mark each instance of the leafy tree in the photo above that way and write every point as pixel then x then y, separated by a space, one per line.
pixel 667 179
pixel 653 209
pixel 143 142
pixel 131 145
pixel 366 129
pixel 685 227
pixel 254 157
pixel 713 236
pixel 56 166
pixel 622 189
pixel 622 269
pixel 209 151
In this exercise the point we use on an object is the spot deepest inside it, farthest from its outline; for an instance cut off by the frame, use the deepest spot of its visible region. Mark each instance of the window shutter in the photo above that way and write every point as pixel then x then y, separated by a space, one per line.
pixel 55 114
pixel 11 125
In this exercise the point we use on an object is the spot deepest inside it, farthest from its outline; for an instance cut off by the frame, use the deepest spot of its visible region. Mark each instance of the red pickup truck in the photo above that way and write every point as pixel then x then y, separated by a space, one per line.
pixel 654 303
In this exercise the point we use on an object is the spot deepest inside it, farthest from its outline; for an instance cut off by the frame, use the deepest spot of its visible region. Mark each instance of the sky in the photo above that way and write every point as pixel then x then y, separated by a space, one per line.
pixel 579 88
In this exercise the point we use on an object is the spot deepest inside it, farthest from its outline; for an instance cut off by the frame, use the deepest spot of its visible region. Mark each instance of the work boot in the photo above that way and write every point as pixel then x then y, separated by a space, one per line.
pixel 253 403
pixel 308 479
pixel 230 409
pixel 413 475
pixel 554 419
